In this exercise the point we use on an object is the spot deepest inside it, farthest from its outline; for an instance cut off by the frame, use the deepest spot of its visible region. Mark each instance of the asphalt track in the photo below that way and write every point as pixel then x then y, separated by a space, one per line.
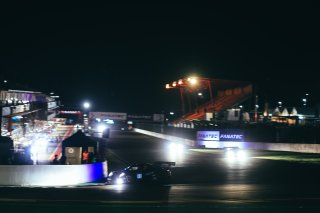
pixel 202 180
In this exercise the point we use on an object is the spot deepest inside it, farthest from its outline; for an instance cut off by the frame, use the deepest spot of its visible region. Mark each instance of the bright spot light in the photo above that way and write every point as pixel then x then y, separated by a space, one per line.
pixel 172 146
pixel 236 156
pixel 101 128
pixel 176 152
pixel 86 105
pixel 119 181
pixel 180 147
pixel 230 156
pixel 242 155
pixel 192 80
pixel 109 121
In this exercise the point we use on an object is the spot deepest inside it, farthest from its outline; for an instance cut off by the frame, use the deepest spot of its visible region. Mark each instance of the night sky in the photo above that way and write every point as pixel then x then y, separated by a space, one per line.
pixel 119 56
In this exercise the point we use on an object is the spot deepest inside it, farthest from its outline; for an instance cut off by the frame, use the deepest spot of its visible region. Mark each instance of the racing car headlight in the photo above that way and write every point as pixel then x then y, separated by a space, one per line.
pixel 230 155
pixel 119 181
pixel 176 147
pixel 101 128
pixel 111 173
pixel 180 147
pixel 121 175
pixel 236 155
pixel 242 155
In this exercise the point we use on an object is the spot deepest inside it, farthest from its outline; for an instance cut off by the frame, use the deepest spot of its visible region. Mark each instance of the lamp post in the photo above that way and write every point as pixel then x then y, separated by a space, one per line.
pixel 86 106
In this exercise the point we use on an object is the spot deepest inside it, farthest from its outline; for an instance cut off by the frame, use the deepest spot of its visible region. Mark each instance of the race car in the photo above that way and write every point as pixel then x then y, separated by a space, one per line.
pixel 157 172
pixel 98 127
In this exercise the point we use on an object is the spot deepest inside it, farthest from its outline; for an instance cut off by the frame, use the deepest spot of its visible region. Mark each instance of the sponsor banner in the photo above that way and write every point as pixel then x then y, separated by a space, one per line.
pixel 117 116
pixel 221 135
pixel 231 135
pixel 208 135
pixel 140 117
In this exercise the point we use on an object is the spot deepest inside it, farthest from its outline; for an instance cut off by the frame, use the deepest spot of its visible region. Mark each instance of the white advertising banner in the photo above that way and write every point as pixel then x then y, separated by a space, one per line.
pixel 117 116
pixel 208 135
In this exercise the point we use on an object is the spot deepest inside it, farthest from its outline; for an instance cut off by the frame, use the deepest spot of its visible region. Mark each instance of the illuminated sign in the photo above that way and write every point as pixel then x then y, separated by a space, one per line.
pixel 208 135
pixel 221 135
pixel 231 137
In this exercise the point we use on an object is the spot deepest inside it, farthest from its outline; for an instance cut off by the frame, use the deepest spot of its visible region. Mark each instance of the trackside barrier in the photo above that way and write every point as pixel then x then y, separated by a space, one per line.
pixel 166 137
pixel 52 175
pixel 288 147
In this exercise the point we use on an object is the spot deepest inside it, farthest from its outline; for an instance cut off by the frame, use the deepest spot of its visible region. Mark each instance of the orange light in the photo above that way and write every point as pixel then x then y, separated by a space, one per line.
pixel 167 86
pixel 174 84
pixel 193 80
pixel 180 82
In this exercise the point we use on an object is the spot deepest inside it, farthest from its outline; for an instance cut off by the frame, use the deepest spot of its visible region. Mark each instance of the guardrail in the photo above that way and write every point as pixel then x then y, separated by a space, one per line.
pixel 189 138
pixel 52 175
pixel 252 132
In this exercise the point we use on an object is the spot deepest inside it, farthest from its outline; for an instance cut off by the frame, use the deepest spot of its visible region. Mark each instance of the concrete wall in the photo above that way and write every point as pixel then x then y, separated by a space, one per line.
pixel 290 147
pixel 51 175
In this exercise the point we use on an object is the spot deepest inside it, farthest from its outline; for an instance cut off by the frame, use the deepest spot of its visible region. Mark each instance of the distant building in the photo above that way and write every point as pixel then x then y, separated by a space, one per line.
pixel 20 109
pixel 293 115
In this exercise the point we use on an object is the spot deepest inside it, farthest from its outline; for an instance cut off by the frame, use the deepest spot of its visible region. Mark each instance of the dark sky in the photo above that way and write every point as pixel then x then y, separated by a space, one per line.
pixel 119 56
